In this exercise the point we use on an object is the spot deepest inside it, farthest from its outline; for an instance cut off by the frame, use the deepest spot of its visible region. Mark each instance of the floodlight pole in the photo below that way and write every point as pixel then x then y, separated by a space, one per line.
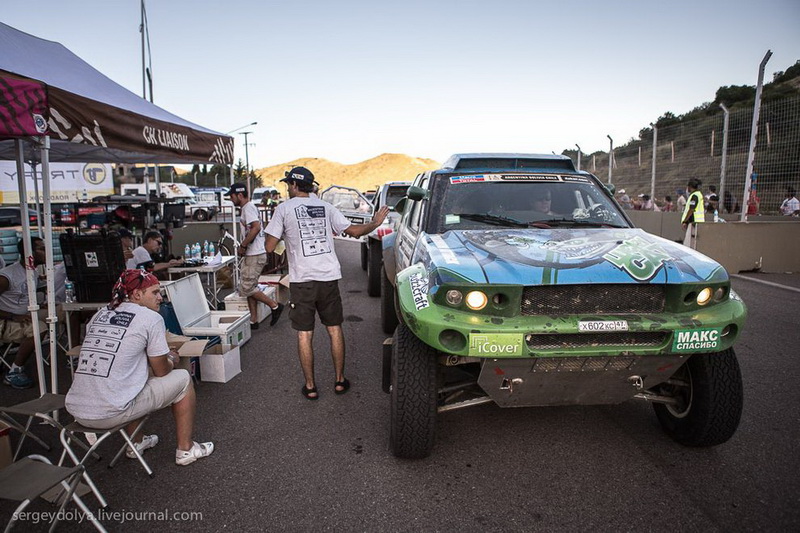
pixel 753 131
pixel 724 164
pixel 579 156
pixel 247 159
pixel 653 170
pixel 610 158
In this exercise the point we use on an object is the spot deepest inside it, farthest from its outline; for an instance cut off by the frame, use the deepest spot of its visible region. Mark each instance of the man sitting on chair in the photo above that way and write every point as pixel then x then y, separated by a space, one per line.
pixel 112 386
pixel 15 319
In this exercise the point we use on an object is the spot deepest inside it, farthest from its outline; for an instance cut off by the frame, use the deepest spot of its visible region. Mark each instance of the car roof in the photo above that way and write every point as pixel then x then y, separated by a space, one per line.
pixel 508 161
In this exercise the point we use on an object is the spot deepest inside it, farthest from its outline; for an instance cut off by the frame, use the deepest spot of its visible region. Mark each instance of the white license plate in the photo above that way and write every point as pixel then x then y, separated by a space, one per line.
pixel 603 325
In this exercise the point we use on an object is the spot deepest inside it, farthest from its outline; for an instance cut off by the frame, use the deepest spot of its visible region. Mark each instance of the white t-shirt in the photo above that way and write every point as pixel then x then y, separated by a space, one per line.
pixel 790 205
pixel 307 226
pixel 113 362
pixel 15 298
pixel 250 215
pixel 140 255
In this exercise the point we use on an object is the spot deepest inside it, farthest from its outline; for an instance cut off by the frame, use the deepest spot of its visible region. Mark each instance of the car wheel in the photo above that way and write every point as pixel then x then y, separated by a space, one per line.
pixel 412 425
pixel 364 255
pixel 709 391
pixel 388 311
pixel 200 215
pixel 374 261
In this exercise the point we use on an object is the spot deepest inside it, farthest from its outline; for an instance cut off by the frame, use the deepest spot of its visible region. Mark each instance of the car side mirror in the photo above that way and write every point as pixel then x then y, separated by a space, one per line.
pixel 611 188
pixel 415 194
pixel 400 206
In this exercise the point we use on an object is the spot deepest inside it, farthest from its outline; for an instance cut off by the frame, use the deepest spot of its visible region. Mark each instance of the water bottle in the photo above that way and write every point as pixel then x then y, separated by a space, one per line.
pixel 716 215
pixel 197 250
pixel 187 253
pixel 194 251
pixel 69 292
pixel 205 248
pixel 211 250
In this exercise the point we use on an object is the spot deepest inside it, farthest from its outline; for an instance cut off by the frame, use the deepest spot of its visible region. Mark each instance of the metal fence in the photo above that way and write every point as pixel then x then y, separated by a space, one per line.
pixel 694 149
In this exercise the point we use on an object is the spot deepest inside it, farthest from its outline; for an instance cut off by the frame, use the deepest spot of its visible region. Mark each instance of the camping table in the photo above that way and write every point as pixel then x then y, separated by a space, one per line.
pixel 212 292
pixel 78 306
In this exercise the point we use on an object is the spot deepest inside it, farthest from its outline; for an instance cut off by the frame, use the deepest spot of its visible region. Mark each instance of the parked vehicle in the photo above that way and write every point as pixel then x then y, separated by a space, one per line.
pixel 10 216
pixel 517 280
pixel 371 252
pixel 353 205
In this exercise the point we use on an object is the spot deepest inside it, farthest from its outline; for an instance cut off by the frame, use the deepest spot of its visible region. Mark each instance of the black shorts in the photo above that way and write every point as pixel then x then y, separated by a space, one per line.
pixel 315 296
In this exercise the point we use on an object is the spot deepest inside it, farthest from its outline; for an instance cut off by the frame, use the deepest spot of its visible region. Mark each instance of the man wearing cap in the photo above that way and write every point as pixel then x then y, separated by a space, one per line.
pixel 307 225
pixel 625 200
pixel 142 256
pixel 255 256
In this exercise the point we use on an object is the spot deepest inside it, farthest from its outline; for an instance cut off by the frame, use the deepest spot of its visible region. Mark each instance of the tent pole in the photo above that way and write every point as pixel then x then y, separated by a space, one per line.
pixel 52 319
pixel 235 227
pixel 35 200
pixel 33 307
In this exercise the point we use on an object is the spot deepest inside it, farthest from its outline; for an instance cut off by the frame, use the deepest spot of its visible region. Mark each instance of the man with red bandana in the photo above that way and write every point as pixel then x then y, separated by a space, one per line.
pixel 112 385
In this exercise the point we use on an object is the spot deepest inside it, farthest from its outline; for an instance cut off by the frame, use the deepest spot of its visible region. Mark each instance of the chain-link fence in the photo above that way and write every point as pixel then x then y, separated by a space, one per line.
pixel 694 149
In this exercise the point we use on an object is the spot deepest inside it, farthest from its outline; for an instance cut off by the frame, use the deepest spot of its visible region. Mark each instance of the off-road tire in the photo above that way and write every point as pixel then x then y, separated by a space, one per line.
pixel 389 319
pixel 712 403
pixel 364 254
pixel 374 260
pixel 412 424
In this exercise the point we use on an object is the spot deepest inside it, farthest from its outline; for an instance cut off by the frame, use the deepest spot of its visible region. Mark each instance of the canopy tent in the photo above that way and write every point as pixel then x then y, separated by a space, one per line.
pixel 56 107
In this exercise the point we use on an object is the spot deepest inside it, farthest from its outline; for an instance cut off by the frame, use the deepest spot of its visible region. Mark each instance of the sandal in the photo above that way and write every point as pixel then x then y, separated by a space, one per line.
pixel 345 384
pixel 198 451
pixel 308 392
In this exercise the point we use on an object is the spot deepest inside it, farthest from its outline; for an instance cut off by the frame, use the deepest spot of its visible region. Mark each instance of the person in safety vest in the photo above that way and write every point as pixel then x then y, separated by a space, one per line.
pixel 694 211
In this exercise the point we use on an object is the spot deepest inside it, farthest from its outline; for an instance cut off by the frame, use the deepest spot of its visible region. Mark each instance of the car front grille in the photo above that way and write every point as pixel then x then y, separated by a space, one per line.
pixel 557 300
pixel 581 364
pixel 626 339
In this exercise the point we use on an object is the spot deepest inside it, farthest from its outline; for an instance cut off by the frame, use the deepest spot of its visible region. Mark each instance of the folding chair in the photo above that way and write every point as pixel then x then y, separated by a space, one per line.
pixel 38 408
pixel 32 476
pixel 7 349
pixel 69 436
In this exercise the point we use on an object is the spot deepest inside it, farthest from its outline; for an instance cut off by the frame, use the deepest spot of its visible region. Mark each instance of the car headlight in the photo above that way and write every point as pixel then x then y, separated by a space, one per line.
pixel 704 296
pixel 454 297
pixel 476 300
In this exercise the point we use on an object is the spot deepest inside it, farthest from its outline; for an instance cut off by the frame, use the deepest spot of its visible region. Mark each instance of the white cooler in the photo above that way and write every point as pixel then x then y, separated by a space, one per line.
pixel 197 320
pixel 234 302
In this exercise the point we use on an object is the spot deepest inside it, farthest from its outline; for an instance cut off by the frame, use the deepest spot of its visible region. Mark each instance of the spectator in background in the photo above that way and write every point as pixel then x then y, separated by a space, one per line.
pixel 648 204
pixel 625 200
pixel 712 199
pixel 681 201
pixel 142 256
pixel 731 205
pixel 126 238
pixel 790 205
pixel 668 206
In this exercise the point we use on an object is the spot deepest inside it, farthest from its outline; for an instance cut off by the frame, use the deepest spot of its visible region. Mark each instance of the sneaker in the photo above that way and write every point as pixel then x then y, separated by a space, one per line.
pixel 18 379
pixel 147 442
pixel 198 451
pixel 276 314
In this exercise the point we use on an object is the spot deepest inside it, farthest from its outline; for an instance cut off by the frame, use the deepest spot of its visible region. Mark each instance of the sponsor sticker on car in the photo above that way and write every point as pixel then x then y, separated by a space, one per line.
pixel 602 325
pixel 697 340
pixel 496 344
pixel 419 290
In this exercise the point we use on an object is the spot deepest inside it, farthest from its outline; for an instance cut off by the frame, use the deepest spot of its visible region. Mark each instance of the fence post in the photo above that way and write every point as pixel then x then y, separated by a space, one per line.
pixel 579 156
pixel 610 157
pixel 723 165
pixel 653 171
pixel 753 131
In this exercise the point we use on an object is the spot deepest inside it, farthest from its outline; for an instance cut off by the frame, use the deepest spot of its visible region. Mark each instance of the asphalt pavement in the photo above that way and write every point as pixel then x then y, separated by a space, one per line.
pixel 283 463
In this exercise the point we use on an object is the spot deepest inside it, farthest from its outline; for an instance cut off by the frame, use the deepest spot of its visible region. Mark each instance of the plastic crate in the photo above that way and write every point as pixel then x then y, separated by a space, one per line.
pixel 93 263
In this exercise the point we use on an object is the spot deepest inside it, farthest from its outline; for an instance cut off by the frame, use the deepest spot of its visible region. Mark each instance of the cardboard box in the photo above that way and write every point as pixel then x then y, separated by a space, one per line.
pixel 187 349
pixel 220 363
pixel 5 445
pixel 234 302
pixel 281 285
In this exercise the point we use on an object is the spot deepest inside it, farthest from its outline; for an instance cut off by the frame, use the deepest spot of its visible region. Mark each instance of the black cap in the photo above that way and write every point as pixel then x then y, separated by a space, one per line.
pixel 301 174
pixel 238 188
pixel 125 233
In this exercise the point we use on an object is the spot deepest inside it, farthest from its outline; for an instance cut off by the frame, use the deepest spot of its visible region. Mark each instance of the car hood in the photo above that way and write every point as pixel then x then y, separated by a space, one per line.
pixel 562 256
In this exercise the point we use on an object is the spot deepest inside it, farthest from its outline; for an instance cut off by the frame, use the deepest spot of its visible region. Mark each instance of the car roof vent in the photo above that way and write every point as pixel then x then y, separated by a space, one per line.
pixel 539 162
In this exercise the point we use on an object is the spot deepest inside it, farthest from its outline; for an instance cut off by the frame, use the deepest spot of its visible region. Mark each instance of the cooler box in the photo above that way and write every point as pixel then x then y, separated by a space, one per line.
pixel 191 308
pixel 234 302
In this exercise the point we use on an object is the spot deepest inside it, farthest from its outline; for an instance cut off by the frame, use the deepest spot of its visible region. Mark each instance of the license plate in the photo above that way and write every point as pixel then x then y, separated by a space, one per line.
pixel 603 325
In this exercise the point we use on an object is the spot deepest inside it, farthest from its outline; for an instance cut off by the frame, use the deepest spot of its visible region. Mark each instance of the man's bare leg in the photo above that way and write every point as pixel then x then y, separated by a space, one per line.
pixel 337 350
pixel 183 412
pixel 305 350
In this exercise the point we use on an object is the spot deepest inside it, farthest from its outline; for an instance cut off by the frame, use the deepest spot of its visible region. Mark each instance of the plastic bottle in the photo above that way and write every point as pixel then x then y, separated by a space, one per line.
pixel 198 250
pixel 187 253
pixel 69 292
pixel 211 250
pixel 205 249
pixel 716 215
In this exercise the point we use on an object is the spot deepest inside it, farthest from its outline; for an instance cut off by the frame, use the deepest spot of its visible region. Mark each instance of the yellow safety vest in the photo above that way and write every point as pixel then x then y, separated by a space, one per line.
pixel 699 211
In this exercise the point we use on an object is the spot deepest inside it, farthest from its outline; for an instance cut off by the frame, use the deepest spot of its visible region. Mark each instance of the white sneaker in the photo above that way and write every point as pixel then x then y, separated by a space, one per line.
pixel 148 441
pixel 198 451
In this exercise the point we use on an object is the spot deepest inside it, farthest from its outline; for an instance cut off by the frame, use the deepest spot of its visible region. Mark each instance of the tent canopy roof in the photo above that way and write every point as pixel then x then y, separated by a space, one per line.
pixel 46 89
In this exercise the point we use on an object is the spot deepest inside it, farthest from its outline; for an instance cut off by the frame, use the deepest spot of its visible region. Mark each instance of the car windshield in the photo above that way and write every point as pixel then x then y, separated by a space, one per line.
pixel 346 200
pixel 556 202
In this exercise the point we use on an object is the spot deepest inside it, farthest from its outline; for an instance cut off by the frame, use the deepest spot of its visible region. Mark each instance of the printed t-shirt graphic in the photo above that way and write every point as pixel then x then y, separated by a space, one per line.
pixel 311 222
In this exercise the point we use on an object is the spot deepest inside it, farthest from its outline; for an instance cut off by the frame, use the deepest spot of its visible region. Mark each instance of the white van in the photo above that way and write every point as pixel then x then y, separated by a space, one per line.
pixel 259 193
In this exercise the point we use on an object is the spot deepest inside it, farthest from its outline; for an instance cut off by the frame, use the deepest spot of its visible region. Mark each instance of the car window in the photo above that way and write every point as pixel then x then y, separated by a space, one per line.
pixel 394 194
pixel 521 201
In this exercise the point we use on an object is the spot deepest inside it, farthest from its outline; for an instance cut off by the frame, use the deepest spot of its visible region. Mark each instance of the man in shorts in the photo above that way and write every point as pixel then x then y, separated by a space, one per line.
pixel 307 225
pixel 112 386
pixel 255 256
